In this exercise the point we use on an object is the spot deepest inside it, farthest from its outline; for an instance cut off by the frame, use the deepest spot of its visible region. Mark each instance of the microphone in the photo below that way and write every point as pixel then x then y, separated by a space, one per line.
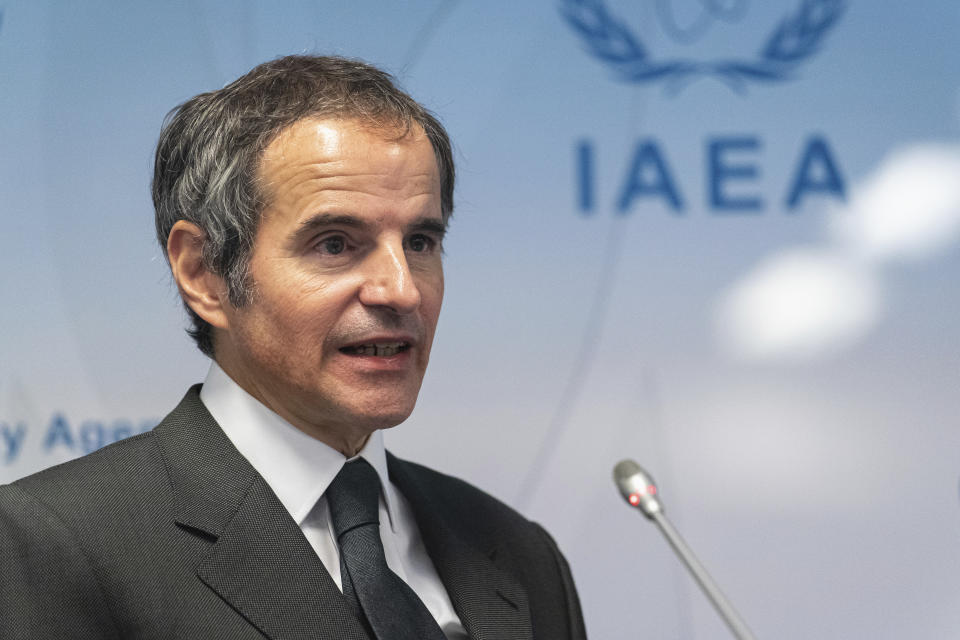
pixel 640 491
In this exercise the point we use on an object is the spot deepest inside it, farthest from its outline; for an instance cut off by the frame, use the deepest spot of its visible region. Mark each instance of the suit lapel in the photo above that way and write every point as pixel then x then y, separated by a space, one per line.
pixel 491 604
pixel 266 569
pixel 259 562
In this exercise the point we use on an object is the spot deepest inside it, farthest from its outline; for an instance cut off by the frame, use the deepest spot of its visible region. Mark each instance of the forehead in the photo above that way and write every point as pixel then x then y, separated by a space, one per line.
pixel 318 168
pixel 349 148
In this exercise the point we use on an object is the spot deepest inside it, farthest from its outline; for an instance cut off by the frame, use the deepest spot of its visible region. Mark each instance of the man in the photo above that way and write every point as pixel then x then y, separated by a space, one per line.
pixel 302 210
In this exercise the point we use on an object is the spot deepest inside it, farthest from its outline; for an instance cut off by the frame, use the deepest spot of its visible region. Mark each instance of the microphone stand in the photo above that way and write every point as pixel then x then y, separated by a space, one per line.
pixel 735 623
pixel 640 491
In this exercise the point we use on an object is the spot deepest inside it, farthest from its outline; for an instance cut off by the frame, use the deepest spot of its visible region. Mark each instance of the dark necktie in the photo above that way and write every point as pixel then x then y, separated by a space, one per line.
pixel 390 607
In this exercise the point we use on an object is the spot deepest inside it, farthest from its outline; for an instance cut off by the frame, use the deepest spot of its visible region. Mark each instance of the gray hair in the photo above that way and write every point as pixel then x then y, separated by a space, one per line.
pixel 208 157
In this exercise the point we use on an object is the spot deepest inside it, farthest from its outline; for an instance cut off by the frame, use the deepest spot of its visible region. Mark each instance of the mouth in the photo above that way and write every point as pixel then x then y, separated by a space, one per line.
pixel 376 349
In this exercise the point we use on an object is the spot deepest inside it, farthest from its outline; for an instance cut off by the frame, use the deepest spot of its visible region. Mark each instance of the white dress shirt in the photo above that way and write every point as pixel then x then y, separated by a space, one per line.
pixel 299 468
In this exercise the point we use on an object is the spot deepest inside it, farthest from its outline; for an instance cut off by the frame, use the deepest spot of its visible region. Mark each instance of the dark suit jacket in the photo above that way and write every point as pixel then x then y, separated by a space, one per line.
pixel 172 534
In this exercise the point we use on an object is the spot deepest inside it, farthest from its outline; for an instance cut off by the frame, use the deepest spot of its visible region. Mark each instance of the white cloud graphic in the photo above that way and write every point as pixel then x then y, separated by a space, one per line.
pixel 798 305
pixel 804 303
pixel 908 209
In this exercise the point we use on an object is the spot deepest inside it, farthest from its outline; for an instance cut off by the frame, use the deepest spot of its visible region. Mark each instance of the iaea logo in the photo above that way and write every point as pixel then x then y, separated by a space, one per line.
pixel 790 32
pixel 791 42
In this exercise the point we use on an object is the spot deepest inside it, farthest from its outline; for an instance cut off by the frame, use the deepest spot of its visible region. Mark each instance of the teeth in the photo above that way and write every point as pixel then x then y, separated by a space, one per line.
pixel 379 350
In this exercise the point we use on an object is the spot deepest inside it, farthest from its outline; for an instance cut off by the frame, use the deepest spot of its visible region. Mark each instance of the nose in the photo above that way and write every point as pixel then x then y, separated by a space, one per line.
pixel 388 281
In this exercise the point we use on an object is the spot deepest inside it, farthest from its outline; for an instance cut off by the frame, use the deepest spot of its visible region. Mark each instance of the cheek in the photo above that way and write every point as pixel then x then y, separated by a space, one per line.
pixel 431 290
pixel 300 309
pixel 439 293
pixel 285 334
pixel 430 302
pixel 305 330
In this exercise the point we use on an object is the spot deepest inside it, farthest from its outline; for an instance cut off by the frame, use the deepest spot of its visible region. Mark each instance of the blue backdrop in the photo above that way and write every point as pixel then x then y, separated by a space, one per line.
pixel 717 236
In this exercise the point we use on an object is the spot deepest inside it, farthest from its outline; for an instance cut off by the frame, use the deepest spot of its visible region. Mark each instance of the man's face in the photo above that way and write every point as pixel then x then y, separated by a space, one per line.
pixel 348 279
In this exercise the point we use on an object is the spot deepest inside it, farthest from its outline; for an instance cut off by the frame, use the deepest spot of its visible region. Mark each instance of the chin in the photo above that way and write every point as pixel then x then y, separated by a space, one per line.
pixel 386 421
pixel 384 418
pixel 378 407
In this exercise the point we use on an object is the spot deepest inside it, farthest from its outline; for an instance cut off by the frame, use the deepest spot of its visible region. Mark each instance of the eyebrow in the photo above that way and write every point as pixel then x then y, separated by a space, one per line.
pixel 430 225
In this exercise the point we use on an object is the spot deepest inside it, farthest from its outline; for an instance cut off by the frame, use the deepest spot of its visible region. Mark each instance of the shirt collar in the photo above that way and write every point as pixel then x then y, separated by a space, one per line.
pixel 298 467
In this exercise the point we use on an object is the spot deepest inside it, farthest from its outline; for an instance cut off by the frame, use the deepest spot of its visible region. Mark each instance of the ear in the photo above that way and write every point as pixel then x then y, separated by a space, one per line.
pixel 204 291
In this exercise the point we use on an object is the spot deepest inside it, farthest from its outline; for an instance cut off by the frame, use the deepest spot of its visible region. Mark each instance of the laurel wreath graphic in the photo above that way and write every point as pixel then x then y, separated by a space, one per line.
pixel 793 41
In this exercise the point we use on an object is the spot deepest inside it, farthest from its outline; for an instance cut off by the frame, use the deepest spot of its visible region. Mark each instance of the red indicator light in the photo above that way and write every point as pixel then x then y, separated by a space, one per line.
pixel 652 490
pixel 634 499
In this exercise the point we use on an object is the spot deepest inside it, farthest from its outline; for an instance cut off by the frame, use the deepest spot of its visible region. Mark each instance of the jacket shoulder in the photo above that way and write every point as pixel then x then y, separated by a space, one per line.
pixel 457 498
pixel 130 470
pixel 517 545
pixel 101 476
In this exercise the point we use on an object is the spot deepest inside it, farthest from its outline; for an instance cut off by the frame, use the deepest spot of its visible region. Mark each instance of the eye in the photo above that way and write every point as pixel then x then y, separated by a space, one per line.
pixel 332 245
pixel 421 243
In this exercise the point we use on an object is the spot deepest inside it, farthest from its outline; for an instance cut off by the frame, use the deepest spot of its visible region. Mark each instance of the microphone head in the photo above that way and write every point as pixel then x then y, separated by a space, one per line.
pixel 637 487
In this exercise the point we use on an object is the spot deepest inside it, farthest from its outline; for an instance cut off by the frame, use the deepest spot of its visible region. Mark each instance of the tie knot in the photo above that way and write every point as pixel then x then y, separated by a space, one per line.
pixel 354 497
